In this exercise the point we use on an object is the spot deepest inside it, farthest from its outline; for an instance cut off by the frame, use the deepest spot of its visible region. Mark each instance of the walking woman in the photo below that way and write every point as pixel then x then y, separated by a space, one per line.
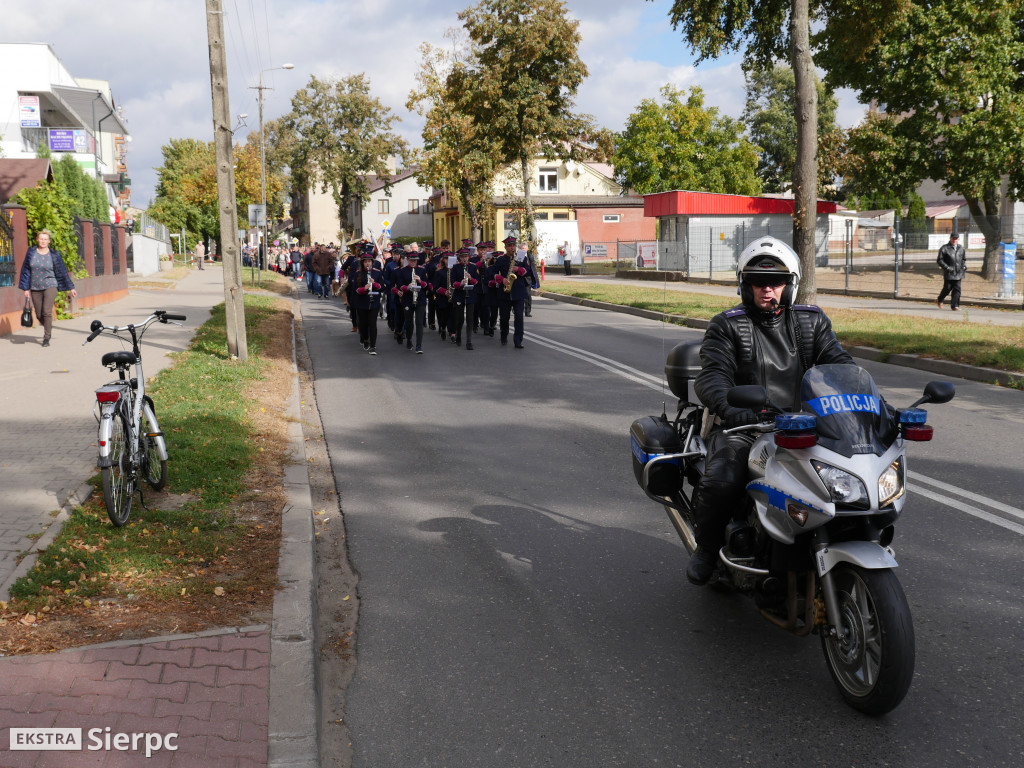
pixel 366 301
pixel 43 274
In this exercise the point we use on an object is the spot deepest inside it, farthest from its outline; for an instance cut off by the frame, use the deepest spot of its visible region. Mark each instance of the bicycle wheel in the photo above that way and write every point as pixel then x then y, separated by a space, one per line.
pixel 152 467
pixel 118 478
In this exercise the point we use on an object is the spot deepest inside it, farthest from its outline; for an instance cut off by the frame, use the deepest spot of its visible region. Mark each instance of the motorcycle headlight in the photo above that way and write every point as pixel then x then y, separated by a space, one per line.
pixel 846 489
pixel 890 483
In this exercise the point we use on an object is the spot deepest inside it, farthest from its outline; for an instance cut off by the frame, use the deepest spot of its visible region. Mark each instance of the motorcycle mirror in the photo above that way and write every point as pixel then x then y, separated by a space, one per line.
pixel 749 396
pixel 937 392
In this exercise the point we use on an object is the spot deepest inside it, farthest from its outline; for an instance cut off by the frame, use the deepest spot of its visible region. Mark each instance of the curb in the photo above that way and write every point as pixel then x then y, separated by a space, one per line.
pixel 941 367
pixel 76 499
pixel 293 733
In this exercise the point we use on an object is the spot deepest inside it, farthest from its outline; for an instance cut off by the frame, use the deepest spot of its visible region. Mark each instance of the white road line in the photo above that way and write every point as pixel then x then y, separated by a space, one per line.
pixel 594 358
pixel 979 513
pixel 1018 513
pixel 653 382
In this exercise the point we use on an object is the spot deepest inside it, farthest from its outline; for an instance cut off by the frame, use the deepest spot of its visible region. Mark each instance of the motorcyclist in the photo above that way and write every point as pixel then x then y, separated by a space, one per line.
pixel 765 340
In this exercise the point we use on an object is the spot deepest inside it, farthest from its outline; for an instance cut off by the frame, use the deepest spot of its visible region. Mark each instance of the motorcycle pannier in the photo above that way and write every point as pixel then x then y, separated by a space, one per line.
pixel 650 437
pixel 682 366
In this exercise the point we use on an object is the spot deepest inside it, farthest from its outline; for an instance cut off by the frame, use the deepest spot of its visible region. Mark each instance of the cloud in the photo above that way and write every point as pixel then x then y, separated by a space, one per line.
pixel 155 55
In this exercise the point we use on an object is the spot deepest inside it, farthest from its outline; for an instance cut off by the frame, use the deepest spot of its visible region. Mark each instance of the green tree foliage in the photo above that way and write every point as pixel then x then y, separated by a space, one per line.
pixel 948 75
pixel 770 30
pixel 186 191
pixel 341 134
pixel 523 78
pixel 770 118
pixel 459 154
pixel 681 144
pixel 88 194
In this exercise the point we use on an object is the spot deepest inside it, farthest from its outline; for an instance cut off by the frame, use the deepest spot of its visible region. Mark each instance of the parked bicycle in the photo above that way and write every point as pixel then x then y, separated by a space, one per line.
pixel 131 445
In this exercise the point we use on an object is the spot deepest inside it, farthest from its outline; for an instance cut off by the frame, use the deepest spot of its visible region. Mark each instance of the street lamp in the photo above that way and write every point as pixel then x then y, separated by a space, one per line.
pixel 263 166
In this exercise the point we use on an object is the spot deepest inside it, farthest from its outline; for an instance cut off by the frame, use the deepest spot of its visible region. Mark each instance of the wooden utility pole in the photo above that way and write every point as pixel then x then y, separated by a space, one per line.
pixel 234 305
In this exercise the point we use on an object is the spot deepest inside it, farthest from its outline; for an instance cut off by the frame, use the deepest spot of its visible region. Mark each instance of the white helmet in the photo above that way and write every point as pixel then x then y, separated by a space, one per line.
pixel 768 256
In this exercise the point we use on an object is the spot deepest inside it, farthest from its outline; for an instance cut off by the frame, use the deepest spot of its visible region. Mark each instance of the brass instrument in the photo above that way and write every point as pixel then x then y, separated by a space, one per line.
pixel 510 276
pixel 414 286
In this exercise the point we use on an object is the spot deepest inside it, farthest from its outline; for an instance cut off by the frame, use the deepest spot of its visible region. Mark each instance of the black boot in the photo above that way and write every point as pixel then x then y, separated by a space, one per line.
pixel 702 564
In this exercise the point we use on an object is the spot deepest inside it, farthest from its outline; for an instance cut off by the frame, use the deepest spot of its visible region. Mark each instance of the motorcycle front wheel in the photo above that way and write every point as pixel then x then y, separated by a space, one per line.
pixel 872 658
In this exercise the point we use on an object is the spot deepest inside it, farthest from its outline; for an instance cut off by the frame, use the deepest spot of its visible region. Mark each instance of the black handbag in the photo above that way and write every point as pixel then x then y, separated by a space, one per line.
pixel 26 314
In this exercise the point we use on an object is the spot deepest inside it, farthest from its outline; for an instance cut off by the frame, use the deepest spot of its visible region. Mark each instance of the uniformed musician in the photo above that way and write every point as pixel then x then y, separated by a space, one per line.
pixel 369 283
pixel 512 300
pixel 465 279
pixel 411 290
pixel 440 279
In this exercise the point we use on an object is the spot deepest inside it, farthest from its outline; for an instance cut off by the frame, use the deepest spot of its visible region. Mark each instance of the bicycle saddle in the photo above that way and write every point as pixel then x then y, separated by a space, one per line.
pixel 118 358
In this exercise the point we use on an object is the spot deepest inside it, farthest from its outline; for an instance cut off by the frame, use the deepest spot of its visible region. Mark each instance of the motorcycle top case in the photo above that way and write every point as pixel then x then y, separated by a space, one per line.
pixel 682 366
pixel 650 437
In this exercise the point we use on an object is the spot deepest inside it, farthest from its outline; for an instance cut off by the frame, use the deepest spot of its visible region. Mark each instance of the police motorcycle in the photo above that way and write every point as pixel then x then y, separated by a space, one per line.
pixel 812 542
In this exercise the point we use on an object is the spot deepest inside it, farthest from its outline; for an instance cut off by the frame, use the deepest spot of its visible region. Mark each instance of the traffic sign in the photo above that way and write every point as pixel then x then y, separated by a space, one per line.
pixel 386 224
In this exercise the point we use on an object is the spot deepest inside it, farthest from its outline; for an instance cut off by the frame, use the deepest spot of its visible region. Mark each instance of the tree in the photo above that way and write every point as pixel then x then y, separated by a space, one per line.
pixel 770 30
pixel 459 153
pixel 948 79
pixel 523 80
pixel 186 190
pixel 342 134
pixel 681 144
pixel 88 194
pixel 770 119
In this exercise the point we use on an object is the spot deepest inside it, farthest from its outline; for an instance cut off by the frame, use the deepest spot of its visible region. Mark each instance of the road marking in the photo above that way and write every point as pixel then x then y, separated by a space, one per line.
pixel 653 382
pixel 979 513
pixel 1018 513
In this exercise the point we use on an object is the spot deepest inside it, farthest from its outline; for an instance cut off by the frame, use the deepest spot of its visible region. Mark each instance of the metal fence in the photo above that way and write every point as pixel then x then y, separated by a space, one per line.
pixel 6 251
pixel 97 249
pixel 150 227
pixel 115 250
pixel 899 259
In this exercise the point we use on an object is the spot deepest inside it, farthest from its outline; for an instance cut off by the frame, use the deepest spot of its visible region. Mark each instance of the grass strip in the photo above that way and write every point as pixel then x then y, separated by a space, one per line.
pixel 213 532
pixel 989 346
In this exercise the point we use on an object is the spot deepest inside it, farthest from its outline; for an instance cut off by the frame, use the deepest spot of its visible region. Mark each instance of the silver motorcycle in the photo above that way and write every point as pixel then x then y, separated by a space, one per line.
pixel 812 542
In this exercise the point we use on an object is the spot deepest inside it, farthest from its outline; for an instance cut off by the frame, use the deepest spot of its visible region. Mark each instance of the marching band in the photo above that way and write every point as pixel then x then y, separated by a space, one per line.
pixel 477 289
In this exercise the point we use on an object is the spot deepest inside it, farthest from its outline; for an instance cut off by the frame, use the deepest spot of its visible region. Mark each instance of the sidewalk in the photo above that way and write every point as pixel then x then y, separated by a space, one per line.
pixel 211 689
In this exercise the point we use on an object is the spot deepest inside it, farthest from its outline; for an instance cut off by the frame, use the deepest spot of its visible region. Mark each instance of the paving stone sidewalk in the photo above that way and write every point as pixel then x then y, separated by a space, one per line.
pixel 210 690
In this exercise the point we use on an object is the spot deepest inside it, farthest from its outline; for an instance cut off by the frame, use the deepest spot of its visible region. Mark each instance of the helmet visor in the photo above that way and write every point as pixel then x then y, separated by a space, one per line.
pixel 766 280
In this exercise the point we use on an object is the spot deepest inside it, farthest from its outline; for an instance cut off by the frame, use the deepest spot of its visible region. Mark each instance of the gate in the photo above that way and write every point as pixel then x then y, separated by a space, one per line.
pixel 6 251
pixel 115 249
pixel 97 249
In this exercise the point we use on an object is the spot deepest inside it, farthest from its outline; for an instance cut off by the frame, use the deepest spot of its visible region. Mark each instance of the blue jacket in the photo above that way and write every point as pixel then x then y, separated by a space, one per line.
pixel 59 270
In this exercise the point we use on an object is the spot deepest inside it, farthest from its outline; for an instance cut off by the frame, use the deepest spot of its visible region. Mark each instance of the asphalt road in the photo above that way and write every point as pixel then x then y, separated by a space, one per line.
pixel 521 602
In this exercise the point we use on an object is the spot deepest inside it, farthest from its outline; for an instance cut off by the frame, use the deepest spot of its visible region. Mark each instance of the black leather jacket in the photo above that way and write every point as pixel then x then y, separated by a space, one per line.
pixel 744 347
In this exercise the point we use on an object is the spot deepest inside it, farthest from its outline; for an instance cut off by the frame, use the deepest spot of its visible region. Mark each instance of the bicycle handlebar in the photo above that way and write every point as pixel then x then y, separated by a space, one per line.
pixel 158 315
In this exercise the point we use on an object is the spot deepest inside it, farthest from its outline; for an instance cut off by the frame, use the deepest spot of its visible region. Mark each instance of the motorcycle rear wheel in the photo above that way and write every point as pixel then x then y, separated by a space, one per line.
pixel 872 660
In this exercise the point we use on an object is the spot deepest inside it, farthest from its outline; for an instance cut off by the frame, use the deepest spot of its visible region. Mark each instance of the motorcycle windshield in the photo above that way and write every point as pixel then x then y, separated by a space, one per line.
pixel 852 416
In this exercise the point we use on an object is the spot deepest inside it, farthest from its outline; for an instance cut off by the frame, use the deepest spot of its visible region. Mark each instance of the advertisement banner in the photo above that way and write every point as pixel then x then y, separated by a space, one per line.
pixel 28 108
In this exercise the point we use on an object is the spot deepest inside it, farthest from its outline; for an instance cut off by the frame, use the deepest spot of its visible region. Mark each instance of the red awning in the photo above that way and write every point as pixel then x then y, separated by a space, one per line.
pixel 677 203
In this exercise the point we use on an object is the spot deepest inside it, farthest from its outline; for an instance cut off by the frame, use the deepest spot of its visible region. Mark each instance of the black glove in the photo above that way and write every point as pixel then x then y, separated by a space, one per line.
pixel 739 417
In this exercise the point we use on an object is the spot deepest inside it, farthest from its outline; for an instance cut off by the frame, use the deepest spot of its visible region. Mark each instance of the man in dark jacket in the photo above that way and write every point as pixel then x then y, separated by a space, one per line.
pixel 953 262
pixel 766 340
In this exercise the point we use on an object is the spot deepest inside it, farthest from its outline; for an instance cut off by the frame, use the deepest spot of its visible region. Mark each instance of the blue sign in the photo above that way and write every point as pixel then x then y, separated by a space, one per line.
pixel 824 406
pixel 62 140
pixel 1009 260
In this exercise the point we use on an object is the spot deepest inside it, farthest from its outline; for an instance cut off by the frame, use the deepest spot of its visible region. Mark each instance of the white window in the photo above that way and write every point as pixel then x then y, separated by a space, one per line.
pixel 547 180
pixel 612 218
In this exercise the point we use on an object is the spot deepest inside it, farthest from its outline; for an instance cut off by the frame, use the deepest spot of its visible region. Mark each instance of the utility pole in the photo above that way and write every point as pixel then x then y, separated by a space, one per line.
pixel 234 306
pixel 263 166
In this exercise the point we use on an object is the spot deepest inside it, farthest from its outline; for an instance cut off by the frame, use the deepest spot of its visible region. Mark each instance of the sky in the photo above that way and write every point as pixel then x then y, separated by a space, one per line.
pixel 155 55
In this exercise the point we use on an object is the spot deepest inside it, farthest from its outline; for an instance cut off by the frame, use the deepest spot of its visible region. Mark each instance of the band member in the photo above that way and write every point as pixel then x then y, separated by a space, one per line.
pixel 491 291
pixel 411 289
pixel 393 264
pixel 429 264
pixel 367 294
pixel 512 298
pixel 464 282
pixel 349 267
pixel 440 278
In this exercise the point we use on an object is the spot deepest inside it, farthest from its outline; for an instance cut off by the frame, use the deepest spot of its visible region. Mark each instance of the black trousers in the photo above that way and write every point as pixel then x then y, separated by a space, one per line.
pixel 431 308
pixel 721 490
pixel 462 318
pixel 443 313
pixel 416 314
pixel 482 316
pixel 515 307
pixel 367 319
pixel 951 288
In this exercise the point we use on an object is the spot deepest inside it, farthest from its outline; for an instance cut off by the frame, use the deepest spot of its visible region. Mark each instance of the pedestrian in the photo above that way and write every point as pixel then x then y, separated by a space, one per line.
pixel 200 254
pixel 43 274
pixel 563 252
pixel 952 260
